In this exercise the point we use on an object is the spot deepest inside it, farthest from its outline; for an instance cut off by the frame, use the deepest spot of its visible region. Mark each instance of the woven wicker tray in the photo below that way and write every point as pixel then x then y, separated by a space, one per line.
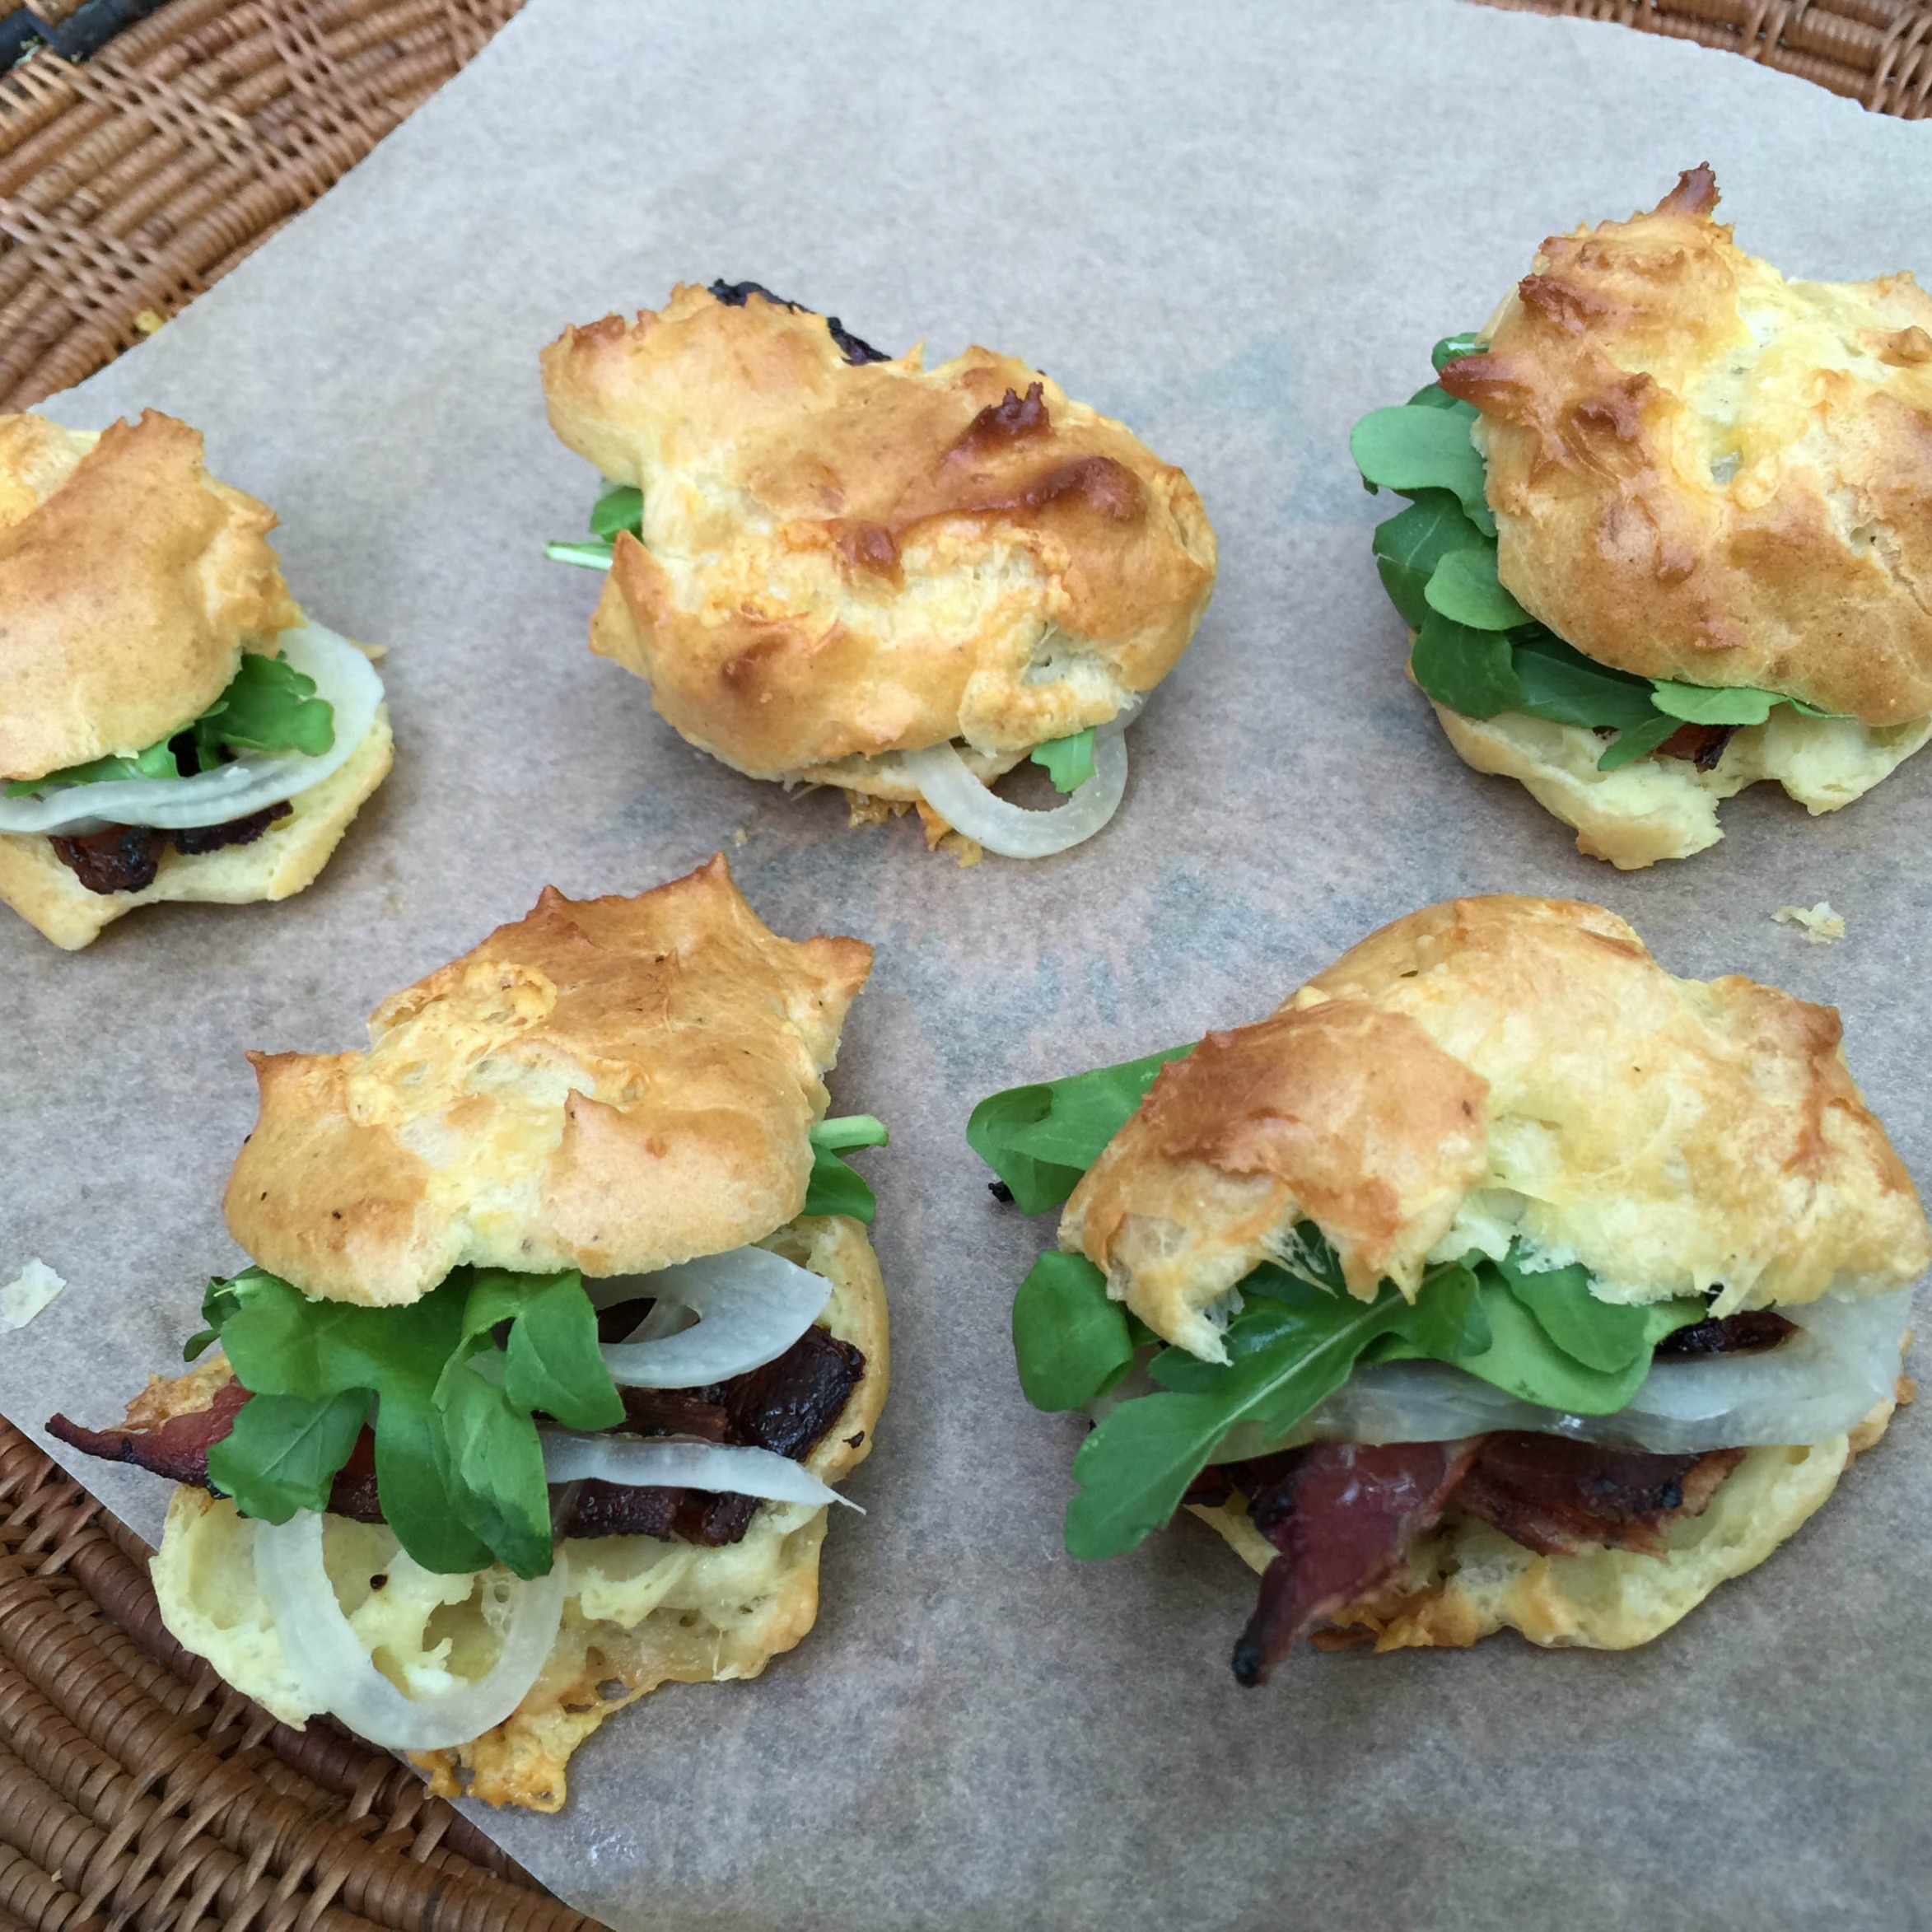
pixel 1879 52
pixel 135 1789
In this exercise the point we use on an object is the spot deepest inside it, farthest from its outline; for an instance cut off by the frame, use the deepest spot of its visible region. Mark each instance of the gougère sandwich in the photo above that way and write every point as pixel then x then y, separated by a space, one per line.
pixel 464 1470
pixel 172 726
pixel 1670 530
pixel 1499 1279
pixel 835 567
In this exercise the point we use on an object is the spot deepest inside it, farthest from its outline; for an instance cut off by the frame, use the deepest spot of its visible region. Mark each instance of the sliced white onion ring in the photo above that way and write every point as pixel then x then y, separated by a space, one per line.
pixel 1815 1384
pixel 649 1463
pixel 338 1675
pixel 343 676
pixel 1012 830
pixel 751 1304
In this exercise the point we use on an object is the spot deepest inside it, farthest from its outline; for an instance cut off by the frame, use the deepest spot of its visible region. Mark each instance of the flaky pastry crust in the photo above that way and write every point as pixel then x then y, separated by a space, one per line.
pixel 130 582
pixel 614 1084
pixel 1700 471
pixel 1497 1067
pixel 840 561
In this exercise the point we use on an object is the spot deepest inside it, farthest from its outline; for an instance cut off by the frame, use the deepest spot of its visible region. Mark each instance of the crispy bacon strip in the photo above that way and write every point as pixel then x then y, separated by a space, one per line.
pixel 785 1406
pixel 1556 1497
pixel 179 1447
pixel 1344 1515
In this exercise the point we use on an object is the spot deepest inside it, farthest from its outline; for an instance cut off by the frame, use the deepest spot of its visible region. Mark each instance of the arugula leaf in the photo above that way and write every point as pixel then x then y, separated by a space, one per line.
pixel 1638 741
pixel 1561 685
pixel 269 706
pixel 1452 348
pixel 1435 397
pixel 835 1188
pixel 418 1489
pixel 1039 1139
pixel 1410 449
pixel 1602 1335
pixel 1525 1360
pixel 158 761
pixel 282 1452
pixel 1464 588
pixel 1069 1340
pixel 1136 1466
pixel 552 1362
pixel 620 507
pixel 1472 671
pixel 459 1468
pixel 496 1462
pixel 1409 546
pixel 1069 761
pixel 1476 650
pixel 1700 704
pixel 1540 1335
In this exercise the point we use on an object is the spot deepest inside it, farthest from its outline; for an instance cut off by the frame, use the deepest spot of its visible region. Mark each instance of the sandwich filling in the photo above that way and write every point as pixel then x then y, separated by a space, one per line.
pixel 1339 1430
pixel 285 724
pixel 501 1413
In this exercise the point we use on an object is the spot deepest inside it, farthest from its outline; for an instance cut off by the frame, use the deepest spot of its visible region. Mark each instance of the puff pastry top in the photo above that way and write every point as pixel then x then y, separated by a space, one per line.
pixel 613 1084
pixel 844 559
pixel 130 580
pixel 1495 1067
pixel 1702 471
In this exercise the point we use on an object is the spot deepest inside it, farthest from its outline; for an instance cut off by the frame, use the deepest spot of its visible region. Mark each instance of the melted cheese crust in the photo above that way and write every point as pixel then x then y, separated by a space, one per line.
pixel 1665 808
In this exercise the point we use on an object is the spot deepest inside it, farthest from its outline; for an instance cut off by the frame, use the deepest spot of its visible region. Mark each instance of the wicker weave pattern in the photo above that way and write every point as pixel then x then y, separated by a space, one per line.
pixel 131 183
pixel 137 1790
pixel 1879 52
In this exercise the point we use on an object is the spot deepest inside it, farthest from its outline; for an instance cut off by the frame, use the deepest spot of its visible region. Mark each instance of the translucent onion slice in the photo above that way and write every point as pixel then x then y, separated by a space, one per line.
pixel 338 1676
pixel 1012 830
pixel 343 676
pixel 649 1463
pixel 1818 1384
pixel 751 1304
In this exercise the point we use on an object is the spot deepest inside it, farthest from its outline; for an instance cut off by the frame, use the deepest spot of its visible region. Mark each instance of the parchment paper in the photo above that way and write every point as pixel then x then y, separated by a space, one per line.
pixel 1237 227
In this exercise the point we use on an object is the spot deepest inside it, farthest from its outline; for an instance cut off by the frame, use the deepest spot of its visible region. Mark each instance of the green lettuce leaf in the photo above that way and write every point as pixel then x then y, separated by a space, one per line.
pixel 455 1379
pixel 620 507
pixel 1413 448
pixel 1409 546
pixel 1069 761
pixel 1477 651
pixel 283 1451
pixel 834 1187
pixel 1540 1335
pixel 269 706
pixel 1463 587
pixel 1070 1341
pixel 158 761
pixel 1039 1139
